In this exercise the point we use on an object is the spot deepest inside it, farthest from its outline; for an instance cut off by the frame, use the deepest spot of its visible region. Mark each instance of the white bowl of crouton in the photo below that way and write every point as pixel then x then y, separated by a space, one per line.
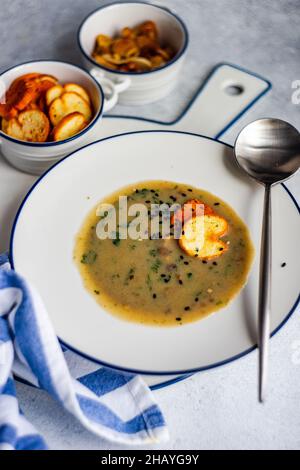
pixel 48 109
pixel 138 46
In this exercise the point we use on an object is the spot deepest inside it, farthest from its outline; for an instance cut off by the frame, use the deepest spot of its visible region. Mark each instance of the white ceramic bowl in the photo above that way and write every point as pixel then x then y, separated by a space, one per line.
pixel 36 157
pixel 137 87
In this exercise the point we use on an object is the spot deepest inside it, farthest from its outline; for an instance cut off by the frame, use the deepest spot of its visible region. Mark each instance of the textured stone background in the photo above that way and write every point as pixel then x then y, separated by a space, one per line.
pixel 216 409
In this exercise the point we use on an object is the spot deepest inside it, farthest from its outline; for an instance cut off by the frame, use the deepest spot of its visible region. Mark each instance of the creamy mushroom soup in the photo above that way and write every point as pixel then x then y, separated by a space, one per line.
pixel 165 281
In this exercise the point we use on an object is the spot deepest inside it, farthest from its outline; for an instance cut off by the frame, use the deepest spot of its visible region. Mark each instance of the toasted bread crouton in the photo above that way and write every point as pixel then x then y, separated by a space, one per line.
pixel 32 105
pixel 17 97
pixel 4 124
pixel 100 59
pixel 68 103
pixel 70 125
pixel 43 85
pixel 41 102
pixel 103 43
pixel 48 78
pixel 73 87
pixel 7 111
pixel 52 93
pixel 35 125
pixel 14 129
pixel 201 236
pixel 57 110
pixel 191 208
pixel 23 91
pixel 27 94
pixel 124 48
pixel 25 77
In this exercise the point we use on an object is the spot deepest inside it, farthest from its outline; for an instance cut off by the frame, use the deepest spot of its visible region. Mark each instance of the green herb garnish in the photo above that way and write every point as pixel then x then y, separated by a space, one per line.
pixel 156 265
pixel 117 240
pixel 149 282
pixel 89 257
pixel 153 252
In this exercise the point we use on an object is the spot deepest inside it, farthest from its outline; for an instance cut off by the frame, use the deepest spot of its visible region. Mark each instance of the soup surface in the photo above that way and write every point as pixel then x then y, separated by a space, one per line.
pixel 153 281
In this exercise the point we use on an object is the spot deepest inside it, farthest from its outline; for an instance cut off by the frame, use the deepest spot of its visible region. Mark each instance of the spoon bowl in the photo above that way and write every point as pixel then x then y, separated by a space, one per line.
pixel 268 150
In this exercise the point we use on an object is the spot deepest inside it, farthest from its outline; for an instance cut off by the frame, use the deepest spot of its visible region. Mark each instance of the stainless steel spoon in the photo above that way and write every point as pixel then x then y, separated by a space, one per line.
pixel 269 151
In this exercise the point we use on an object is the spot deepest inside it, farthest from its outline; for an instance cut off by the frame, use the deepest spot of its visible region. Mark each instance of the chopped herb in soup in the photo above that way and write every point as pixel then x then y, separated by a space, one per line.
pixel 158 279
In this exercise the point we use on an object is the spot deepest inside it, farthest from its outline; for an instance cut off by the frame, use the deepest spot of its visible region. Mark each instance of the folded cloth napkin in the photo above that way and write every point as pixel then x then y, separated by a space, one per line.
pixel 115 406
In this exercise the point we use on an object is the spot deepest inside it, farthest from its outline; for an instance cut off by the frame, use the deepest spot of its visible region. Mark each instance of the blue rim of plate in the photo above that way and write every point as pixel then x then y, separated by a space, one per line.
pixel 181 373
pixel 146 72
pixel 95 119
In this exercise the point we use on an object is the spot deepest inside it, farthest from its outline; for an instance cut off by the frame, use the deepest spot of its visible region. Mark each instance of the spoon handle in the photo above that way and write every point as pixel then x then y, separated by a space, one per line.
pixel 264 294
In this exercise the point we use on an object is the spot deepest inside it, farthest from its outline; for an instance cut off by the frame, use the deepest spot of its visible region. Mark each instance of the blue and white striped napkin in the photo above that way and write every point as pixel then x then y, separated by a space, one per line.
pixel 118 407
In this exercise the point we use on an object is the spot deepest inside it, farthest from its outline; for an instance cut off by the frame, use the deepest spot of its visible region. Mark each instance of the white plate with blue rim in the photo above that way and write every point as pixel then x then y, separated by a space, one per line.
pixel 42 244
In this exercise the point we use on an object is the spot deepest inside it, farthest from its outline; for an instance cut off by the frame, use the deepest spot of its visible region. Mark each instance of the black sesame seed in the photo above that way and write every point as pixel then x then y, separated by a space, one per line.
pixel 196 299
pixel 221 249
pixel 154 296
pixel 186 263
pixel 178 318
pixel 204 261
pixel 147 202
pixel 182 232
pixel 152 191
pixel 183 194
pixel 215 263
pixel 190 190
pixel 186 308
pixel 162 275
pixel 131 277
pixel 180 282
pixel 181 257
pixel 283 265
pixel 216 204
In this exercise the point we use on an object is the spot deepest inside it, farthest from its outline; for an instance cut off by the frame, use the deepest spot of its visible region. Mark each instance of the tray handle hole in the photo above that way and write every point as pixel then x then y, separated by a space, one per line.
pixel 234 89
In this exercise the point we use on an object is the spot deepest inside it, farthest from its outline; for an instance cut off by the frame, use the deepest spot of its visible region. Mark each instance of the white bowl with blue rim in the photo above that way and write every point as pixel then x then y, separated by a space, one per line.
pixel 36 157
pixel 57 205
pixel 135 88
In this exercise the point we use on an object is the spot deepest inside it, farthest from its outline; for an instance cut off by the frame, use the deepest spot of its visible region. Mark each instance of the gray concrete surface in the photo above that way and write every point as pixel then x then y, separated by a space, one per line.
pixel 215 409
